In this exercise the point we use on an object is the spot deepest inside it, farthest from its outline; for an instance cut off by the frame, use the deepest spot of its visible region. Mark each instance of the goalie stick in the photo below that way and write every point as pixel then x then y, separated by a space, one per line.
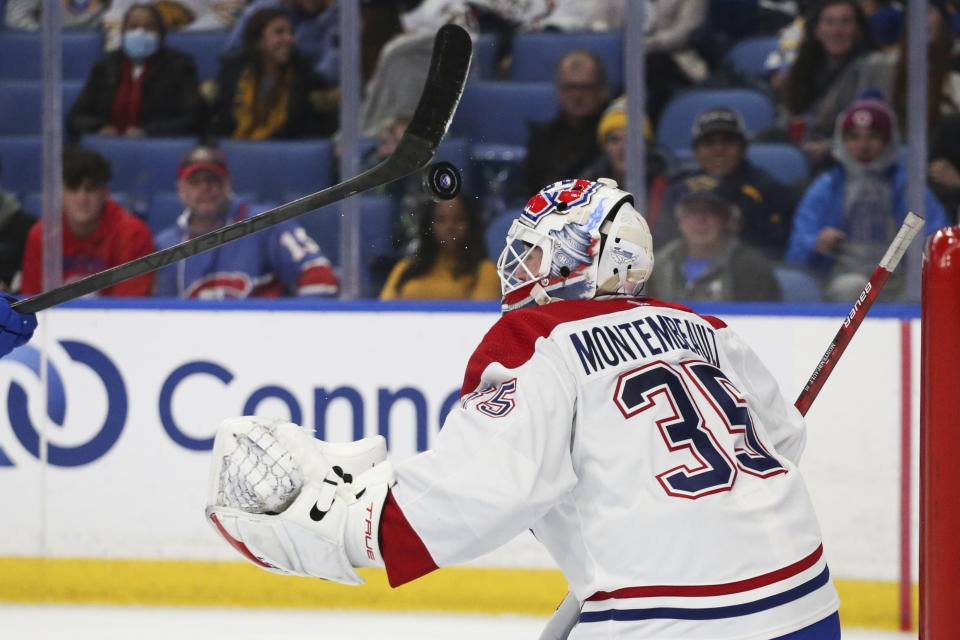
pixel 912 224
pixel 446 77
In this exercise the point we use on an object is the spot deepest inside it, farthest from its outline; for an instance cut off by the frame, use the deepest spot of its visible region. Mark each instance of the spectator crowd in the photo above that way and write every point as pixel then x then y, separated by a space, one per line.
pixel 773 139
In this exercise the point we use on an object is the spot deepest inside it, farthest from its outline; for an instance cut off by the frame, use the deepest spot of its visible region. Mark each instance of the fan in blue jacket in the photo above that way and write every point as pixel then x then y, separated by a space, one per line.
pixel 849 215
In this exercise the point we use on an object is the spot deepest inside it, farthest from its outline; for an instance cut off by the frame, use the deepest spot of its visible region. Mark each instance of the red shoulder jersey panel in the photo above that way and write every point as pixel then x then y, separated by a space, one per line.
pixel 512 339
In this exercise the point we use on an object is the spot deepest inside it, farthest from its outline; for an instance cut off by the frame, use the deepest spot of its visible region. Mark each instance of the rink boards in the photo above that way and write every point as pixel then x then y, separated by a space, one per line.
pixel 110 479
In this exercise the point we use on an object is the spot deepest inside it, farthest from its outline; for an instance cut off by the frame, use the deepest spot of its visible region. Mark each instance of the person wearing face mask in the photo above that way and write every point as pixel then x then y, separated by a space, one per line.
pixel 263 91
pixel 143 89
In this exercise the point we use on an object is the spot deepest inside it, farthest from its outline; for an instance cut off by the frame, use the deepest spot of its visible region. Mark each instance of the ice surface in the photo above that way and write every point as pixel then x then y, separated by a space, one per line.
pixel 55 622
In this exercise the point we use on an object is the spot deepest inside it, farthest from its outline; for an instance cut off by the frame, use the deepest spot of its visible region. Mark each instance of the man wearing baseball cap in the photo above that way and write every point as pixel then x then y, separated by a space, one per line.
pixel 720 150
pixel 281 260
pixel 850 213
pixel 708 261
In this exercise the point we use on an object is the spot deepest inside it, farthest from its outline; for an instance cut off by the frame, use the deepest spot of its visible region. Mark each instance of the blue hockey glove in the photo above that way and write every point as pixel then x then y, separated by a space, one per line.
pixel 15 328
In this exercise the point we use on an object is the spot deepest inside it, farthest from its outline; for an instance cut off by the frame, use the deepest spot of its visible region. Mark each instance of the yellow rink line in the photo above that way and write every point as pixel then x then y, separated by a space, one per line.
pixel 229 584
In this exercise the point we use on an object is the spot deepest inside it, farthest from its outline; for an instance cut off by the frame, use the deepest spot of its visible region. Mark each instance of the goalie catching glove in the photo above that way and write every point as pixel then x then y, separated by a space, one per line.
pixel 296 505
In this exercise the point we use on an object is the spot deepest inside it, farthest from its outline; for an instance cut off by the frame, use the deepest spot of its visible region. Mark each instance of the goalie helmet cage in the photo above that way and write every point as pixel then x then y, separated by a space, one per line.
pixel 940 438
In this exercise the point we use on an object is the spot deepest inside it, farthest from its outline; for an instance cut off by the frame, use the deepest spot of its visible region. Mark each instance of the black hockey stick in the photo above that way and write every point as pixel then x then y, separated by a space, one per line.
pixel 449 66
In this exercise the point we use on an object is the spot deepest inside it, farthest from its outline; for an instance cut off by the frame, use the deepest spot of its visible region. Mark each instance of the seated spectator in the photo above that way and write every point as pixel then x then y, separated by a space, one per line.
pixel 280 261
pixel 397 79
pixel 144 89
pixel 15 224
pixel 25 14
pixel 563 147
pixel 672 61
pixel 821 80
pixel 263 92
pixel 849 215
pixel 177 15
pixel 316 33
pixel 943 170
pixel 886 71
pixel 708 262
pixel 97 232
pixel 612 163
pixel 451 260
pixel 720 150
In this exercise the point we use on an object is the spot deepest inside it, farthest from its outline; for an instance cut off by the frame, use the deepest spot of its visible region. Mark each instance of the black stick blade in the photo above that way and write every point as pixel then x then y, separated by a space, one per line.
pixel 449 66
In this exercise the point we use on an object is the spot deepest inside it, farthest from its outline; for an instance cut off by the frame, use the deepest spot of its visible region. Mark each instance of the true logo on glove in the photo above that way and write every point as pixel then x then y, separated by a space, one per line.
pixel 368 536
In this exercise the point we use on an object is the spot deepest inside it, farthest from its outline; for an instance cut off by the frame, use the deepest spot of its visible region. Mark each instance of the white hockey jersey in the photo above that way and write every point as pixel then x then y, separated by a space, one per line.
pixel 648 449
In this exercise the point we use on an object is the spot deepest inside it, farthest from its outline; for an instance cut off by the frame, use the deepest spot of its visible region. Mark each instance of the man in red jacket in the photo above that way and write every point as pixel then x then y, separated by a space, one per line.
pixel 97 232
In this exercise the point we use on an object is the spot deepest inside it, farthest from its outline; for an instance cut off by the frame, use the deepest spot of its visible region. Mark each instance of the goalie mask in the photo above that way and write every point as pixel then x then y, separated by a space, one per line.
pixel 575 240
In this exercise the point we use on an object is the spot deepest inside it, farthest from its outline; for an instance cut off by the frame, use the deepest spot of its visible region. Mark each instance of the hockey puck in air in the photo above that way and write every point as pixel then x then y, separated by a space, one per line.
pixel 442 181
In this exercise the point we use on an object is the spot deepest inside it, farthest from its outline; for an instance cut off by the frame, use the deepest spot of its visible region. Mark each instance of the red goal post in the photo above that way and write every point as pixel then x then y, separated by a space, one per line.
pixel 940 438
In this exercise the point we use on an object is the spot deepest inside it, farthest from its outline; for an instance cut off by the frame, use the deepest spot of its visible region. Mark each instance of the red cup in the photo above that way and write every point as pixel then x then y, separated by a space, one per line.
pixel 796 130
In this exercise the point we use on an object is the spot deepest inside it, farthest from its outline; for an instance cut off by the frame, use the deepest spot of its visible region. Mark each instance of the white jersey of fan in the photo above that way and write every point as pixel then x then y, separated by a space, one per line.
pixel 649 450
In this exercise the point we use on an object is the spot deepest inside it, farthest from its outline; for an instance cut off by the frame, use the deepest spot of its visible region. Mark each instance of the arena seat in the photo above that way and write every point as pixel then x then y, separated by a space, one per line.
pixel 797 285
pixel 141 167
pixel 496 233
pixel 484 62
pixel 22 158
pixel 377 215
pixel 536 54
pixel 673 130
pixel 376 227
pixel 498 168
pixel 165 207
pixel 747 57
pixel 499 111
pixel 456 151
pixel 22 108
pixel 785 162
pixel 21 54
pixel 273 168
pixel 204 46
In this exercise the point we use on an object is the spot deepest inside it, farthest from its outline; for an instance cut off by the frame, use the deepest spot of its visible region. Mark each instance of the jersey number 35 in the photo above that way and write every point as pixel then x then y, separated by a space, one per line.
pixel 678 395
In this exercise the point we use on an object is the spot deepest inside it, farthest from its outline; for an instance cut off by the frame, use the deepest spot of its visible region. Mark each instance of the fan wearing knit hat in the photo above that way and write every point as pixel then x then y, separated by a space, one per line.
pixel 848 216
pixel 612 160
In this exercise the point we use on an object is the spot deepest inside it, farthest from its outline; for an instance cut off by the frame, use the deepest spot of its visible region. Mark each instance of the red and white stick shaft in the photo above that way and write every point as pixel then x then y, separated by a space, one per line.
pixel 911 226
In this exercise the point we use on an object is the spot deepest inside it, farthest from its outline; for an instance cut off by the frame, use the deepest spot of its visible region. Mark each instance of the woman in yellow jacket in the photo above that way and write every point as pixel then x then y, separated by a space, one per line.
pixel 451 261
